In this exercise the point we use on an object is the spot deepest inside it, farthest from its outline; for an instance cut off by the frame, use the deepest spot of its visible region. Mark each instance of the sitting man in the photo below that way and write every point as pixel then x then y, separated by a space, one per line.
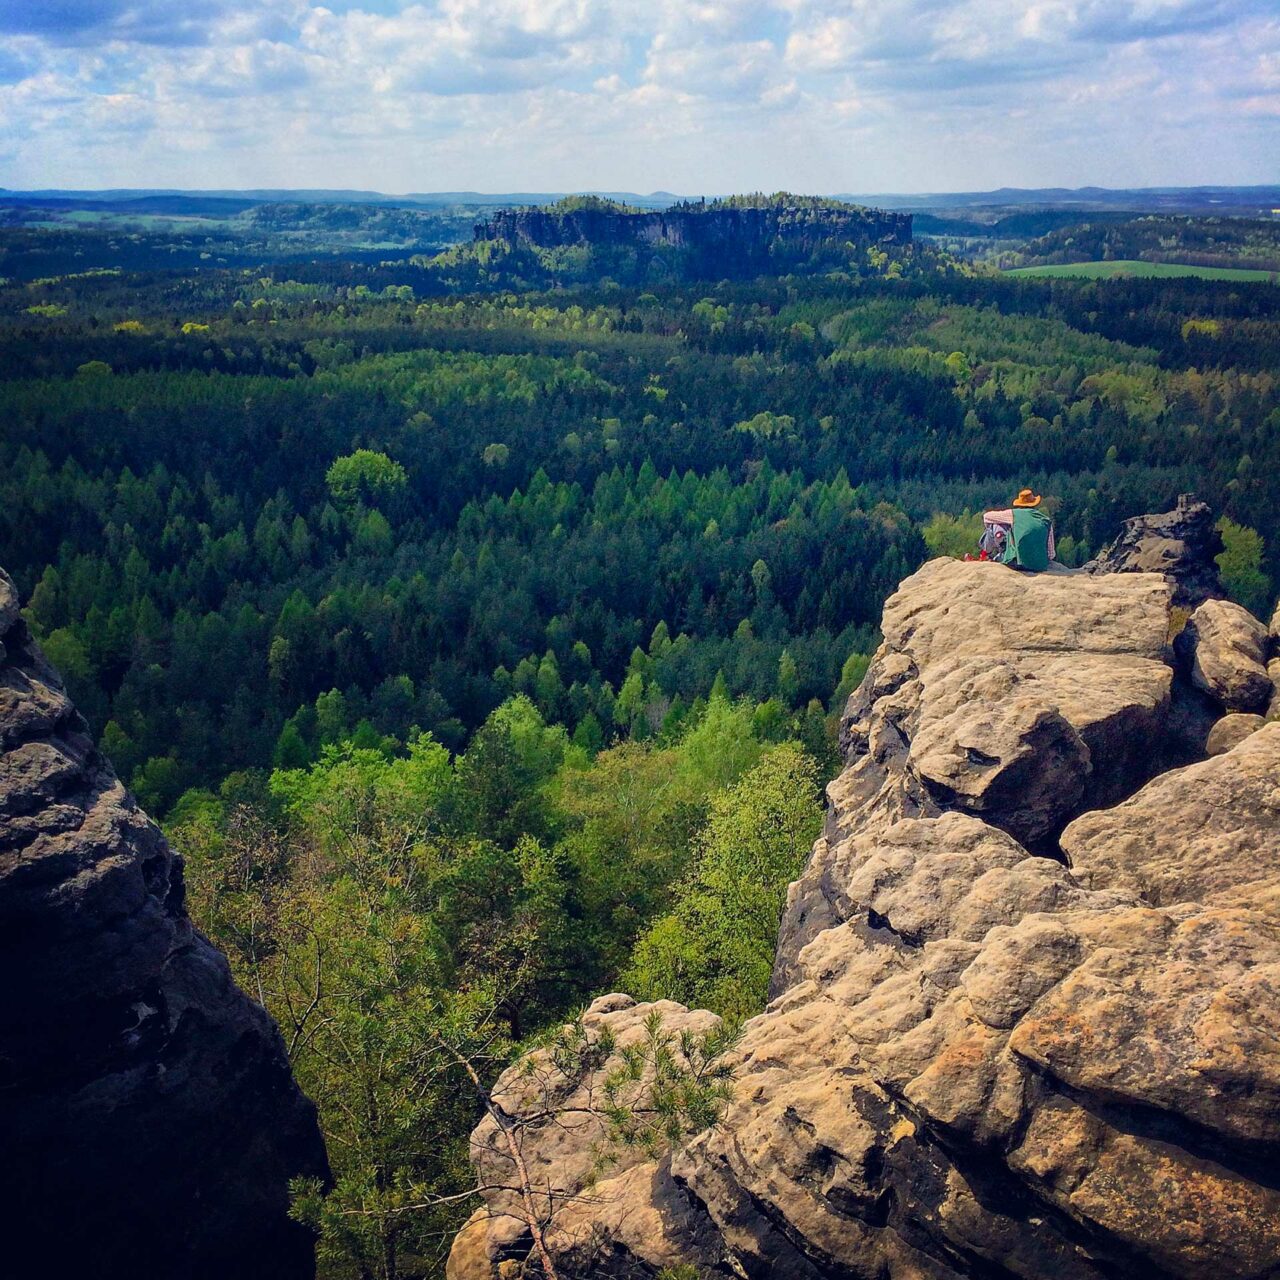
pixel 1021 535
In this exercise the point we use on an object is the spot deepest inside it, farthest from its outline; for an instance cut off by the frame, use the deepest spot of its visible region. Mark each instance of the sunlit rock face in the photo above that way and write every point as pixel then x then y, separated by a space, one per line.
pixel 150 1121
pixel 1026 1003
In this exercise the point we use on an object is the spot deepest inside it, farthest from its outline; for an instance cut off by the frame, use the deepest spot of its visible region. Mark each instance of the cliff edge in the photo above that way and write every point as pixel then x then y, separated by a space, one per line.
pixel 150 1120
pixel 721 240
pixel 1025 1015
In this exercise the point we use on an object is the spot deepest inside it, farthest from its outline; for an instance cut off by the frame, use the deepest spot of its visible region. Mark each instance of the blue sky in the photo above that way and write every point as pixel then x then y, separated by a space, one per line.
pixel 692 96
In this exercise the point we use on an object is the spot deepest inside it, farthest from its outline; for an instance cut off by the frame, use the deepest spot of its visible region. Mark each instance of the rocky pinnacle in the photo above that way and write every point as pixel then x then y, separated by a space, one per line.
pixel 150 1121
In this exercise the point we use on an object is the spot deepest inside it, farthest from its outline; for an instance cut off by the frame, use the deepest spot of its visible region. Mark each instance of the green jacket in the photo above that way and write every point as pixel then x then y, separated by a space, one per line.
pixel 1028 546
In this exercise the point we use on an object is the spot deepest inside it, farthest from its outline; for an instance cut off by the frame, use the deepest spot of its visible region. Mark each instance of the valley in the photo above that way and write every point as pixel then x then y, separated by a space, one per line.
pixel 475 594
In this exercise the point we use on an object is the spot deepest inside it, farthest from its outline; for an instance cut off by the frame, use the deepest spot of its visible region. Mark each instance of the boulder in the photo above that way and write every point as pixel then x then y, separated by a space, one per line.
pixel 1182 544
pixel 601 1202
pixel 151 1123
pixel 1024 1017
pixel 985 1108
pixel 1231 730
pixel 1207 833
pixel 1226 648
pixel 1016 739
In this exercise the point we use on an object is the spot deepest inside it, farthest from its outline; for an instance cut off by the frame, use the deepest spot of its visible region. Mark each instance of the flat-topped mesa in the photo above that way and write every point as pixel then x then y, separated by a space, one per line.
pixel 1025 1018
pixel 719 239
pixel 151 1123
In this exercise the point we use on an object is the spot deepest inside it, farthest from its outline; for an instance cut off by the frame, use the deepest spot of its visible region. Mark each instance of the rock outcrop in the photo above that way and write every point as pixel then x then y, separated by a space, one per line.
pixel 1181 544
pixel 150 1120
pixel 562 1135
pixel 1226 650
pixel 1025 1018
pixel 1232 730
pixel 697 241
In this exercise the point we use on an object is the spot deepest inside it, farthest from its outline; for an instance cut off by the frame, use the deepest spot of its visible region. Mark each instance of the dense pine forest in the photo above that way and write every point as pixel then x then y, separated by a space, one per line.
pixel 477 623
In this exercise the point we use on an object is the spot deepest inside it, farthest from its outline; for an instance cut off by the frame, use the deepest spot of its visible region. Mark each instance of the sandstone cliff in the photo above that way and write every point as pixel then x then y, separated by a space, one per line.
pixel 1026 1005
pixel 702 242
pixel 150 1120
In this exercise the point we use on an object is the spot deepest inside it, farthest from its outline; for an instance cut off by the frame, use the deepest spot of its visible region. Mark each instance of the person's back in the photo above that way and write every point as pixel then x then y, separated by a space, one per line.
pixel 1028 533
pixel 1029 543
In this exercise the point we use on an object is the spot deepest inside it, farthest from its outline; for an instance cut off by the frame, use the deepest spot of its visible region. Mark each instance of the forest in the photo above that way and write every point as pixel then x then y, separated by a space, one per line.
pixel 1249 243
pixel 52 235
pixel 477 624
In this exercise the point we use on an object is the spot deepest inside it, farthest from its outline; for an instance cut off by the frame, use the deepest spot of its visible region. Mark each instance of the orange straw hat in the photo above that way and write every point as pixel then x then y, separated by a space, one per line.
pixel 1027 499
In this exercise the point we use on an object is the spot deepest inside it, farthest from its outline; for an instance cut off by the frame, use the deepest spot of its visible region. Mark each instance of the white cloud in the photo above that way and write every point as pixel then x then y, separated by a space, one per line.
pixel 691 95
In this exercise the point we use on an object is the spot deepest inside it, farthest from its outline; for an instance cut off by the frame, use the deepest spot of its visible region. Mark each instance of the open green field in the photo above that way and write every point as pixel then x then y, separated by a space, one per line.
pixel 1134 267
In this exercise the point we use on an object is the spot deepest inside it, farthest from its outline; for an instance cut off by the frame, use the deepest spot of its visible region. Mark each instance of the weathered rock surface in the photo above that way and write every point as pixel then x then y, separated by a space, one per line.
pixel 1009 696
pixel 630 1213
pixel 150 1120
pixel 1026 1007
pixel 1181 544
pixel 1232 730
pixel 1226 647
pixel 1209 833
pixel 1273 665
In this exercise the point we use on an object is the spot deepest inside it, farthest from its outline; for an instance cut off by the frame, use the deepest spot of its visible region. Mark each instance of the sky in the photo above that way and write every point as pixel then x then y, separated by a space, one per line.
pixel 689 96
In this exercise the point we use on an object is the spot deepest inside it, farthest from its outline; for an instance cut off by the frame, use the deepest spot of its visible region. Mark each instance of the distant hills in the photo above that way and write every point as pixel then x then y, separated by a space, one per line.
pixel 1249 201
pixel 56 231
pixel 586 237
pixel 279 195
pixel 1246 200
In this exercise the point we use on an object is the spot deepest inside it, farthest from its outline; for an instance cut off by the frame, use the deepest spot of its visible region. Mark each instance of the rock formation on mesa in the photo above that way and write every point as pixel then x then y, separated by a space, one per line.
pixel 1026 1006
pixel 700 241
pixel 150 1120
